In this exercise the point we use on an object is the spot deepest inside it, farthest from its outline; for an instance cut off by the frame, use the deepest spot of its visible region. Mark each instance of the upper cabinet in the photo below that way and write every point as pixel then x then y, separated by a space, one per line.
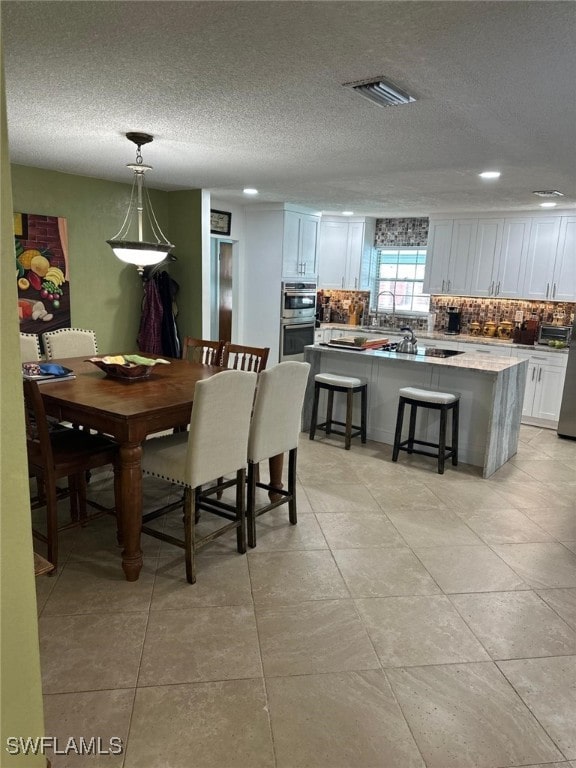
pixel 485 256
pixel 539 276
pixel 344 252
pixel 551 267
pixel 438 255
pixel 511 262
pixel 300 244
pixel 564 277
pixel 447 262
pixel 528 257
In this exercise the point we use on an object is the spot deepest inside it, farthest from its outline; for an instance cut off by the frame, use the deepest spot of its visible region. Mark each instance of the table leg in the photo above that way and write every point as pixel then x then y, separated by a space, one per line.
pixel 276 464
pixel 129 507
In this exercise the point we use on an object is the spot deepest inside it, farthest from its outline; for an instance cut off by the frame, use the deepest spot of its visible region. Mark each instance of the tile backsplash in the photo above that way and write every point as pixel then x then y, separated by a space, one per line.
pixel 349 307
pixel 353 308
pixel 497 310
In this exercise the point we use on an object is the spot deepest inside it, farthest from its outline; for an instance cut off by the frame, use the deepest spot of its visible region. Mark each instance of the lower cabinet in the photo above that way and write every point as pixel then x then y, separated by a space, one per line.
pixel 544 387
pixel 485 349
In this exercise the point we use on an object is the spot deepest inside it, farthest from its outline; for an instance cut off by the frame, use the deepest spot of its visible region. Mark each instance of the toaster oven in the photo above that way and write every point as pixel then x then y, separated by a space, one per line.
pixel 554 333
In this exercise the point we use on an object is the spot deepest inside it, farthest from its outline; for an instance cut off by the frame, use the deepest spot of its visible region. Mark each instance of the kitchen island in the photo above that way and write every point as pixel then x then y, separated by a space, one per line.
pixel 491 394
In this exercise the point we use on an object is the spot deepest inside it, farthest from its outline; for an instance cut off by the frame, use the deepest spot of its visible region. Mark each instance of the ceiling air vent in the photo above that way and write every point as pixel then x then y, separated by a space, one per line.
pixel 548 193
pixel 381 92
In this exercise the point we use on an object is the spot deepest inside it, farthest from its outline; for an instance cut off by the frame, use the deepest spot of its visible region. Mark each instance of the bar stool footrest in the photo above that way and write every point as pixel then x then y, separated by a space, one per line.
pixel 356 431
pixel 405 446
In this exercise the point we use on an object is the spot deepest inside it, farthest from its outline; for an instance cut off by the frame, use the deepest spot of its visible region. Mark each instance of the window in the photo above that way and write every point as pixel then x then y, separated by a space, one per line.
pixel 401 271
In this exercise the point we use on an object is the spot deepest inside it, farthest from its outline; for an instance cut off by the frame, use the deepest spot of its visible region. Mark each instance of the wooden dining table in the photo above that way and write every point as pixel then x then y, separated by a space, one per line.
pixel 130 411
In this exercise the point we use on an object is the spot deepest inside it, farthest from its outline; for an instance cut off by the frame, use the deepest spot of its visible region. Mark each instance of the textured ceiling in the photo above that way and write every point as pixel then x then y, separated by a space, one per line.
pixel 250 94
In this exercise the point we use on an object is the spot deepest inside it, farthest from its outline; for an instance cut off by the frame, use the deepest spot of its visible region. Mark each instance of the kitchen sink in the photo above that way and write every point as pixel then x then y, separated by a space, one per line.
pixel 437 352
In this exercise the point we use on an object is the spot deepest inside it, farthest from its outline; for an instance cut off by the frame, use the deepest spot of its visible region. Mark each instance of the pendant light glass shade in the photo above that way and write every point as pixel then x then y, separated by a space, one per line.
pixel 128 243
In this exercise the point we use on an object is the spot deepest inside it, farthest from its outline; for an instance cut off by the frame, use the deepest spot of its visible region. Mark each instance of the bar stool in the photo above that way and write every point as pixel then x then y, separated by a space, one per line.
pixel 350 385
pixel 438 401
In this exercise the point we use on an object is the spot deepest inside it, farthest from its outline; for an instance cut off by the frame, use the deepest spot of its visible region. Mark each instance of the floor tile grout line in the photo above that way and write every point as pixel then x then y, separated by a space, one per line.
pixel 529 708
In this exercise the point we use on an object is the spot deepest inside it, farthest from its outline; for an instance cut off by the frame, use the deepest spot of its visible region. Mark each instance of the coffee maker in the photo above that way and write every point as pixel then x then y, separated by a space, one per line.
pixel 453 320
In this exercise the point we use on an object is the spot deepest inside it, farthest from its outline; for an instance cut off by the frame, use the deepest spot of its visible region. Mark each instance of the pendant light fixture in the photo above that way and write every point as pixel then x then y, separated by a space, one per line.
pixel 140 252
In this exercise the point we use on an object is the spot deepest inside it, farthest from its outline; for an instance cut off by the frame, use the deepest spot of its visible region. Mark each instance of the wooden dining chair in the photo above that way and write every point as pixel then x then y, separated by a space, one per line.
pixel 30 348
pixel 243 358
pixel 69 342
pixel 194 458
pixel 54 454
pixel 274 430
pixel 203 351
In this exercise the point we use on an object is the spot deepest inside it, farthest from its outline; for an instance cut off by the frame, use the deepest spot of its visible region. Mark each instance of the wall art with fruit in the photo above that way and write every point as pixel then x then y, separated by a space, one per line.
pixel 42 272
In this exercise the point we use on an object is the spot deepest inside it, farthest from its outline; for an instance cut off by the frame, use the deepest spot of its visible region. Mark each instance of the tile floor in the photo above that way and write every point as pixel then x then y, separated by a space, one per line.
pixel 408 620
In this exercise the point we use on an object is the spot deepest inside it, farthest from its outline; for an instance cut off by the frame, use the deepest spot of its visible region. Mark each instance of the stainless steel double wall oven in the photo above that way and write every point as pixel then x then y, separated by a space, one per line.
pixel 298 316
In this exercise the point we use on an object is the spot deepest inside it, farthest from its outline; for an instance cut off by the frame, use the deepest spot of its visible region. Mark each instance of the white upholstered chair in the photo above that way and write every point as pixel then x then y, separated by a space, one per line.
pixel 195 458
pixel 274 430
pixel 30 348
pixel 69 342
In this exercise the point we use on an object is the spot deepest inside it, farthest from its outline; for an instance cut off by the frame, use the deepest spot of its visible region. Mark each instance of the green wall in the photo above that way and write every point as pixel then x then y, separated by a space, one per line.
pixel 186 233
pixel 21 698
pixel 105 294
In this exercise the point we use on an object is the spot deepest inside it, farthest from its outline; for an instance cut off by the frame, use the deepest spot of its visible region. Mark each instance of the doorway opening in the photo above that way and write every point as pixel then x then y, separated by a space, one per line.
pixel 221 314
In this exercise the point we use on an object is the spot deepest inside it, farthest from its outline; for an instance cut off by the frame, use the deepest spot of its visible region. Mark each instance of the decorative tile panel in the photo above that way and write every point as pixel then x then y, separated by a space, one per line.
pixel 401 232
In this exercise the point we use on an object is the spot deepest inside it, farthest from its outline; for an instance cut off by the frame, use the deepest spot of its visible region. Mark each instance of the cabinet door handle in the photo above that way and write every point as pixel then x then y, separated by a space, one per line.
pixel 491 291
pixel 342 282
pixel 356 283
pixel 554 291
pixel 547 289
pixel 533 373
pixel 442 286
pixel 539 374
pixel 449 286
pixel 498 288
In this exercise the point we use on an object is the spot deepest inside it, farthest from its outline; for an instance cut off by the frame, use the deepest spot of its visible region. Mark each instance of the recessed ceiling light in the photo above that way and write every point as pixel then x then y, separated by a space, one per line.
pixel 548 205
pixel 489 175
pixel 250 191
pixel 347 213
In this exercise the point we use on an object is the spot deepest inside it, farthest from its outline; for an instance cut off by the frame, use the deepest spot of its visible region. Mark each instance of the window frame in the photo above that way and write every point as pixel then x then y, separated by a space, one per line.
pixel 378 281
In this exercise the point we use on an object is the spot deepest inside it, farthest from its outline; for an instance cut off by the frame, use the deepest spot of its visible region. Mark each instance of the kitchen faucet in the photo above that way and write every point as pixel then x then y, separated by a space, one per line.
pixel 389 293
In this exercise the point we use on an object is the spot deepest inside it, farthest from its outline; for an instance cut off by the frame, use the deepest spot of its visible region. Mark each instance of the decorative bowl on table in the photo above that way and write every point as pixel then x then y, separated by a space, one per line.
pixel 126 367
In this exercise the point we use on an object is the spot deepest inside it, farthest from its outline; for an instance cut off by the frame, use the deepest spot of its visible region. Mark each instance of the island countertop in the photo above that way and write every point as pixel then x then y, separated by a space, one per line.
pixel 465 361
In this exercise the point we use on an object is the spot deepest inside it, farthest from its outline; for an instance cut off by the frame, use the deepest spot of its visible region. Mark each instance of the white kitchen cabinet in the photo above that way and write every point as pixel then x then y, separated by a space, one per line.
pixel 485 256
pixel 300 245
pixel 509 276
pixel 485 349
pixel 564 278
pixel 438 255
pixel 541 256
pixel 544 386
pixel 520 257
pixel 448 259
pixel 341 248
pixel 461 246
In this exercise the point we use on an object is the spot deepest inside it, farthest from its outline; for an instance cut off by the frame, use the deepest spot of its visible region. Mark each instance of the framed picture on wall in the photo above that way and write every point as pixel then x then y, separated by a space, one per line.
pixel 220 222
pixel 42 272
